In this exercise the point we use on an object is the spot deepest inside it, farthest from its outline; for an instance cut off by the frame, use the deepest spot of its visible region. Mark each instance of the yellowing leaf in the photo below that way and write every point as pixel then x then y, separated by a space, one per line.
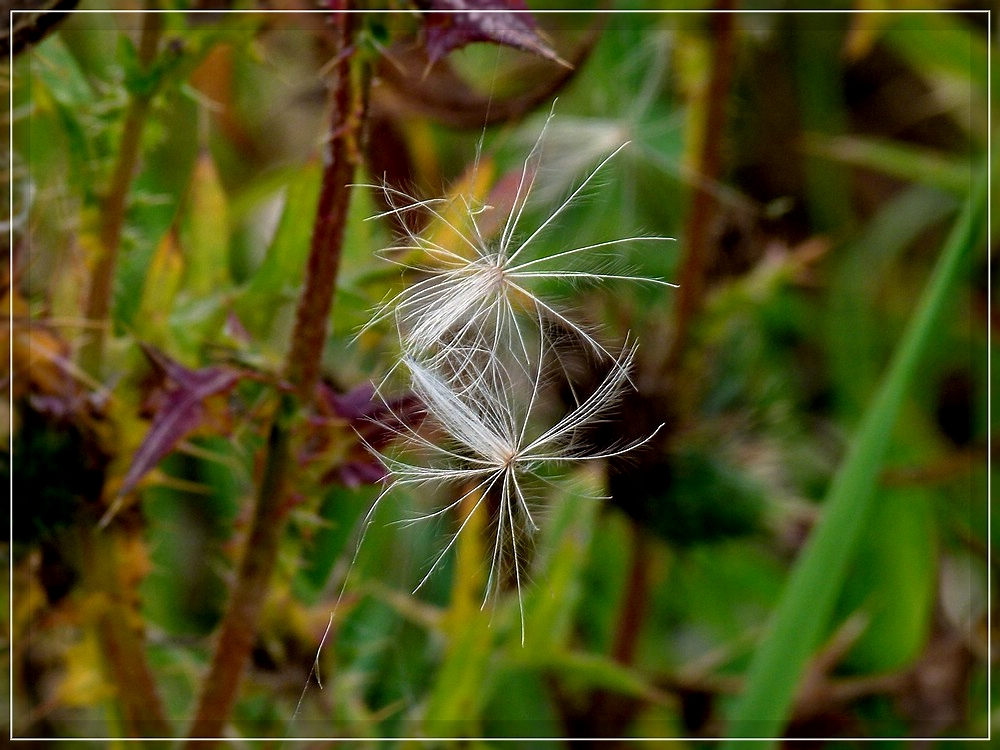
pixel 474 185
pixel 162 283
pixel 469 577
pixel 206 249
pixel 83 683
pixel 40 357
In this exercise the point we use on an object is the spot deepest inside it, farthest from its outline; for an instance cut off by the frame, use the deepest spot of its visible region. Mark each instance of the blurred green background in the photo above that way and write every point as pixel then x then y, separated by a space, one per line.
pixel 811 167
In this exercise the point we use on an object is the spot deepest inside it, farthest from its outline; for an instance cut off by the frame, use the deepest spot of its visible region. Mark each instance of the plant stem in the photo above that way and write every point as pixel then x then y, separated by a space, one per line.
pixel 121 644
pixel 302 365
pixel 302 368
pixel 113 205
pixel 608 712
pixel 636 597
pixel 239 627
pixel 814 584
pixel 697 237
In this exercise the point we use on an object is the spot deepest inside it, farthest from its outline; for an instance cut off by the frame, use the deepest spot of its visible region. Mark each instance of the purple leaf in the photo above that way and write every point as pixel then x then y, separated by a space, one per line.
pixel 355 473
pixel 462 22
pixel 356 404
pixel 372 420
pixel 179 412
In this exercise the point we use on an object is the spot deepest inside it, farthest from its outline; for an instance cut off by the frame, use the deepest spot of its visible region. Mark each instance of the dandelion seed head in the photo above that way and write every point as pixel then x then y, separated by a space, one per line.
pixel 479 346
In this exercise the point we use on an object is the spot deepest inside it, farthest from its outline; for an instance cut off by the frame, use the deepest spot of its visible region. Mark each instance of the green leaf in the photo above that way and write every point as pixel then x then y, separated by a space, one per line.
pixel 911 163
pixel 143 81
pixel 941 44
pixel 550 608
pixel 463 679
pixel 154 204
pixel 820 94
pixel 185 591
pixel 273 285
pixel 810 594
pixel 521 706
pixel 206 246
pixel 894 582
pixel 855 330
pixel 61 89
pixel 598 672
pixel 341 509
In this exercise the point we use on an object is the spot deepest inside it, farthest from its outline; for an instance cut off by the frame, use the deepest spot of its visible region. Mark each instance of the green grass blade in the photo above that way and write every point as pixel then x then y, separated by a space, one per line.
pixel 813 586
pixel 912 163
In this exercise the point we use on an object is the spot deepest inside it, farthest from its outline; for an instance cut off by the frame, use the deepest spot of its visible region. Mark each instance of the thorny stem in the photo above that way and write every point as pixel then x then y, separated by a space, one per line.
pixel 113 205
pixel 239 627
pixel 342 149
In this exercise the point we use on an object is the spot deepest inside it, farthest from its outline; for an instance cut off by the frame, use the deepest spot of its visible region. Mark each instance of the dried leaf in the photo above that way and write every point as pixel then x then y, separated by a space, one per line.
pixel 411 84
pixel 462 22
pixel 40 357
pixel 33 22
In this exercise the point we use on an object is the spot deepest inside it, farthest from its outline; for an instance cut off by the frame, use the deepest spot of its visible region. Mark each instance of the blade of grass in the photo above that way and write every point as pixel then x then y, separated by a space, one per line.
pixel 941 44
pixel 811 592
pixel 912 163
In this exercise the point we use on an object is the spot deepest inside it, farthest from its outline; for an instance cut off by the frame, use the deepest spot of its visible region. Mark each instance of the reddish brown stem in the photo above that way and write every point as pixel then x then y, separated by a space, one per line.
pixel 703 204
pixel 311 318
pixel 633 608
pixel 689 302
pixel 122 647
pixel 239 627
pixel 302 368
pixel 610 712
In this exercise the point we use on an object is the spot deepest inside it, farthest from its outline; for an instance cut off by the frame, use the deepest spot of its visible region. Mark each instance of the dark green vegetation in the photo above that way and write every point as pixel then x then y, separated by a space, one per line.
pixel 802 550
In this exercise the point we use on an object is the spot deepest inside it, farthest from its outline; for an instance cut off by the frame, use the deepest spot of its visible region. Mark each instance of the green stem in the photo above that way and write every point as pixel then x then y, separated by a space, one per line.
pixel 114 205
pixel 122 646
pixel 809 597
